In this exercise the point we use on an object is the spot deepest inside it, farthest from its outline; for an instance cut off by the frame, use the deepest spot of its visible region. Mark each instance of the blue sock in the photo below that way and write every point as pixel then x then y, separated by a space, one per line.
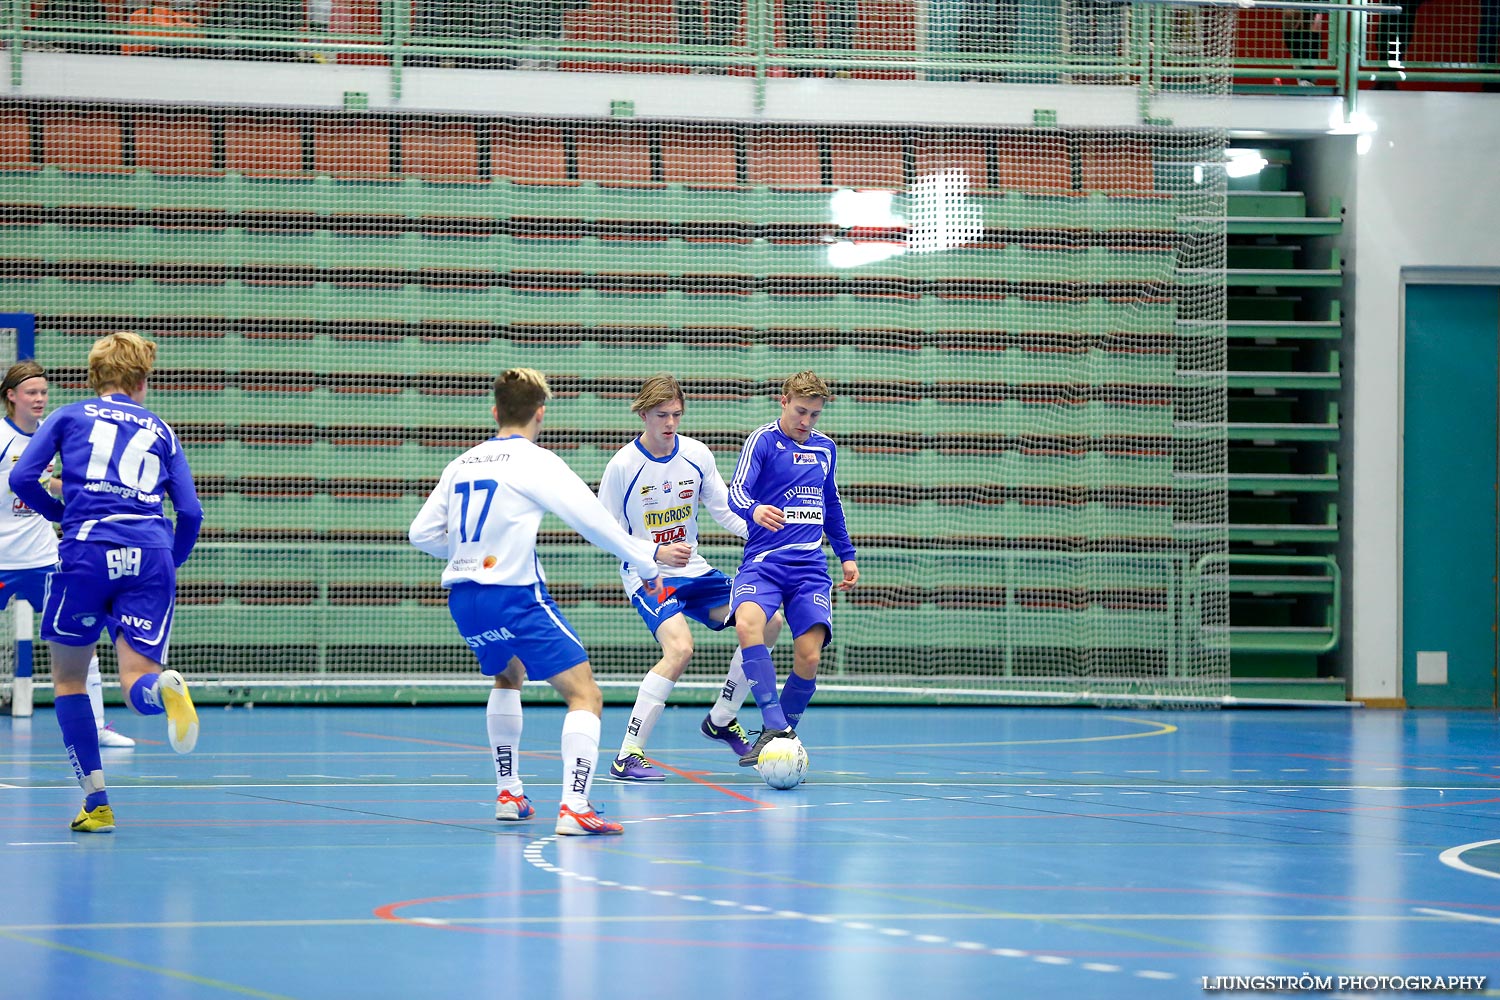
pixel 761 673
pixel 75 716
pixel 143 696
pixel 795 694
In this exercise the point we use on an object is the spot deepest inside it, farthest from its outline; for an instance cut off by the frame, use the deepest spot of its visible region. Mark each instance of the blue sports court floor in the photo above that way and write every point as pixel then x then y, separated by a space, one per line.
pixel 323 853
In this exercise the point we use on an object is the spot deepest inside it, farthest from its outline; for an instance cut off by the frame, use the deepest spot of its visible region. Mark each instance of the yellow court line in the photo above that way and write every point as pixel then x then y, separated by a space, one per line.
pixel 188 977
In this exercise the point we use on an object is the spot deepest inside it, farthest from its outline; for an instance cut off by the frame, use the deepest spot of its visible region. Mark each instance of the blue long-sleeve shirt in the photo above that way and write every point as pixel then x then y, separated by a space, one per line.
pixel 118 459
pixel 797 478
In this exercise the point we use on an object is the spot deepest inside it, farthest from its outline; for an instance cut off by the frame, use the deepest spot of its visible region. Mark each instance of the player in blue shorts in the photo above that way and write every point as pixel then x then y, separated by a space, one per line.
pixel 119 554
pixel 482 517
pixel 784 487
pixel 654 487
pixel 28 541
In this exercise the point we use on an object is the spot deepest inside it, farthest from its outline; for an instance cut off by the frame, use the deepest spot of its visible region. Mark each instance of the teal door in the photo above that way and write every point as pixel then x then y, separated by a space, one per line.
pixel 1449 544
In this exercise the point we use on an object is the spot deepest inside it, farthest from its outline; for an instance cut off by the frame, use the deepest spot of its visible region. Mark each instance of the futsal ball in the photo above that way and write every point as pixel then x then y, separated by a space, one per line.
pixel 783 762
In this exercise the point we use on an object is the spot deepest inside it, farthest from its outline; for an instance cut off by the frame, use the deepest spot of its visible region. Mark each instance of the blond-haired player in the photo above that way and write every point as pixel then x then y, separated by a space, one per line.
pixel 119 554
pixel 28 542
pixel 783 485
pixel 482 517
pixel 654 487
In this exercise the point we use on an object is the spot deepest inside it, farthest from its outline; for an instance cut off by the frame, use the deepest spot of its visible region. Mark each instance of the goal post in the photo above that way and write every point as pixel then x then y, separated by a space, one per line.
pixel 17 343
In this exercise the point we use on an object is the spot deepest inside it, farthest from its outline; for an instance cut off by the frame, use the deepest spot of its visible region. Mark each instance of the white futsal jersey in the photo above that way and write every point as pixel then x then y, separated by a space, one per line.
pixel 484 513
pixel 657 499
pixel 27 539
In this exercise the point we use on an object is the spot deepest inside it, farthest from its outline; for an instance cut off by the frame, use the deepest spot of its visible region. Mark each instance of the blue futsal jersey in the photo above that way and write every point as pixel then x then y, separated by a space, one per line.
pixel 118 462
pixel 797 478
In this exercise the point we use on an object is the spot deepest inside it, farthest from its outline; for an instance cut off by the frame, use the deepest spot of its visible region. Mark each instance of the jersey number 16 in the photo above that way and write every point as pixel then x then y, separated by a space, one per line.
pixel 136 467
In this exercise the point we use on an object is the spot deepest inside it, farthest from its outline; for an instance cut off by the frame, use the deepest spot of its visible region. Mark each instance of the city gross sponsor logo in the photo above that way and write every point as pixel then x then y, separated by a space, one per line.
pixel 804 458
pixel 663 518
pixel 685 495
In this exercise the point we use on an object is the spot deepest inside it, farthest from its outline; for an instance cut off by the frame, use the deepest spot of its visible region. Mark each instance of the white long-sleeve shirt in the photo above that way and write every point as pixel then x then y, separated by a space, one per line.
pixel 484 513
pixel 27 539
pixel 658 499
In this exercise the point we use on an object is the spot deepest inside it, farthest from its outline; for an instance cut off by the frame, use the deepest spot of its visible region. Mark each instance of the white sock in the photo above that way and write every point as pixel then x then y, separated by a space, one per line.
pixel 503 719
pixel 732 694
pixel 580 755
pixel 95 687
pixel 649 703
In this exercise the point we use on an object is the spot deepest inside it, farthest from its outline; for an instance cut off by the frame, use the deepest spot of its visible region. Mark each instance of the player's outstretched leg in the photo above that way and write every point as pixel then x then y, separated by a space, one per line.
pixel 632 764
pixel 182 717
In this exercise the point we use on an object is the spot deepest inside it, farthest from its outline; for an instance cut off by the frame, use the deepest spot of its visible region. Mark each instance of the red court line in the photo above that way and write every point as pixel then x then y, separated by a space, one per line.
pixel 693 776
pixel 414 739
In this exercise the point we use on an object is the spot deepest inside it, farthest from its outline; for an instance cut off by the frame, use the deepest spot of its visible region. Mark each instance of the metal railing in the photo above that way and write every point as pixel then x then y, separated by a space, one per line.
pixel 1153 46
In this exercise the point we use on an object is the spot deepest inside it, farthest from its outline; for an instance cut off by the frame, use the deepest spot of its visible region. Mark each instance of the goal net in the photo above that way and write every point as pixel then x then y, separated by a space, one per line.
pixel 1023 324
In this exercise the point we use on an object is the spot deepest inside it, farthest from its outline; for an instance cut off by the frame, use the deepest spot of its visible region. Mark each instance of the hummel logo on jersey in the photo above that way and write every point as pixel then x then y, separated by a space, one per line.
pixel 804 458
pixel 581 777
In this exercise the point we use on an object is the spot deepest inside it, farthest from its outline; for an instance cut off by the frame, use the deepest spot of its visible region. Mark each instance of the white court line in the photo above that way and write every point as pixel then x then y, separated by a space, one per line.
pixel 1453 858
pixel 1471 917
pixel 42 843
pixel 533 854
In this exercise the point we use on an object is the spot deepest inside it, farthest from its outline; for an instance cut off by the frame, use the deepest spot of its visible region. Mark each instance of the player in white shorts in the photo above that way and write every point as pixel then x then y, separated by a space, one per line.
pixel 482 517
pixel 28 542
pixel 655 486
